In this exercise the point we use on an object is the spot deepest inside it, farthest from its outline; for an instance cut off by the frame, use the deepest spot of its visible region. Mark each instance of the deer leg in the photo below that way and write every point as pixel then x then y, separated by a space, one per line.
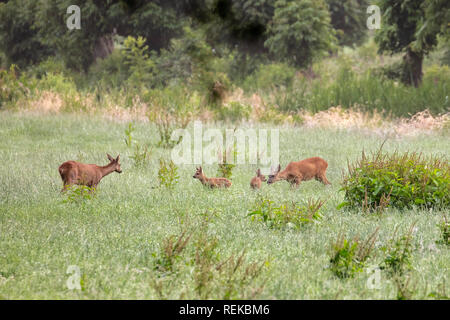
pixel 65 186
pixel 295 183
pixel 322 178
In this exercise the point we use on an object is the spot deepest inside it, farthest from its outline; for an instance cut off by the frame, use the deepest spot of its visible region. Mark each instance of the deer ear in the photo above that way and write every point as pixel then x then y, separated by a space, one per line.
pixel 258 172
pixel 118 157
pixel 200 169
pixel 109 157
pixel 279 168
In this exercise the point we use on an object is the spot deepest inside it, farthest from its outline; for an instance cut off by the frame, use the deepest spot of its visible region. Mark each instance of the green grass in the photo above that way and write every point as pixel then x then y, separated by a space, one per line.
pixel 112 238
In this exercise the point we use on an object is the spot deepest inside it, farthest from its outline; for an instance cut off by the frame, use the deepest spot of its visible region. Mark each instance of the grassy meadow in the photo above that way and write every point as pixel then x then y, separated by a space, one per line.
pixel 116 238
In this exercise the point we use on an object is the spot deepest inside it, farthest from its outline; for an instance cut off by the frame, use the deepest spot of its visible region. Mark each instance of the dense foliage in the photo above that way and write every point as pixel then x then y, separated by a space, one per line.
pixel 412 27
pixel 398 180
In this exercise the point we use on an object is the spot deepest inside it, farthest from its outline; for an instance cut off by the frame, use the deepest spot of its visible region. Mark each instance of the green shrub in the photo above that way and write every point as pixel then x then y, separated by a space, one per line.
pixel 214 275
pixel 170 252
pixel 59 83
pixel 288 214
pixel 140 64
pixel 226 167
pixel 398 253
pixel 128 135
pixel 141 155
pixel 407 179
pixel 110 72
pixel 167 174
pixel 234 112
pixel 79 194
pixel 348 257
pixel 271 75
pixel 12 87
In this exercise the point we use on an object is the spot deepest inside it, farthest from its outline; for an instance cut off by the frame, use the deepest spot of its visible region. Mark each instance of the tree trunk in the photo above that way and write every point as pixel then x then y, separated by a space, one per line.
pixel 412 62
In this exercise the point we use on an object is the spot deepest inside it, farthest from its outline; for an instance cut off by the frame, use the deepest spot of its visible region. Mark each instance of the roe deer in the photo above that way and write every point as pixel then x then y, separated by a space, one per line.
pixel 255 183
pixel 73 172
pixel 211 182
pixel 304 170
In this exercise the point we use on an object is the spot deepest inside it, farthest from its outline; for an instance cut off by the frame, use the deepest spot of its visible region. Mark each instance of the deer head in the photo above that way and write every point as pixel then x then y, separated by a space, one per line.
pixel 115 163
pixel 273 177
pixel 260 175
pixel 199 173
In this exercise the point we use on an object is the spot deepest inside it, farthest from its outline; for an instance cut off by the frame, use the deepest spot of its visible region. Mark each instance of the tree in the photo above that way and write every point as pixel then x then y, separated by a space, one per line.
pixel 348 18
pixel 411 27
pixel 300 31
pixel 19 38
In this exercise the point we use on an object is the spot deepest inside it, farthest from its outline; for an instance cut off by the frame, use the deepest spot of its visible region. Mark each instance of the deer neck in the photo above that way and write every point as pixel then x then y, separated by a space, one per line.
pixel 105 170
pixel 282 175
pixel 203 179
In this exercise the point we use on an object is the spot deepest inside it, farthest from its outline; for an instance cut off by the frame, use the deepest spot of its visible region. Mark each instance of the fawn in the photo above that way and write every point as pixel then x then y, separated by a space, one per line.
pixel 255 183
pixel 211 182
pixel 73 172
pixel 304 170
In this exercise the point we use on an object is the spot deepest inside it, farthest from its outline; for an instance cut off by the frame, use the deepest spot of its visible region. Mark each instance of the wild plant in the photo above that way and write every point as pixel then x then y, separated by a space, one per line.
pixel 128 134
pixel 398 253
pixel 444 227
pixel 79 194
pixel 287 214
pixel 226 167
pixel 348 257
pixel 167 174
pixel 170 251
pixel 141 155
pixel 399 180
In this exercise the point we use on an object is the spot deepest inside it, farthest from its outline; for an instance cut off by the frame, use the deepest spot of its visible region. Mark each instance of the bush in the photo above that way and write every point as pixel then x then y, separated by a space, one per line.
pixel 234 112
pixel 268 76
pixel 226 167
pixel 110 72
pixel 288 214
pixel 213 274
pixel 398 254
pixel 407 179
pixel 59 83
pixel 348 257
pixel 11 86
pixel 79 194
pixel 167 174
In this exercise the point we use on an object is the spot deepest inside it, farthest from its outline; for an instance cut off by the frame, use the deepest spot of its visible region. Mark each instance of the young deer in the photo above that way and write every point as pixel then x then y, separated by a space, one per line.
pixel 304 170
pixel 211 182
pixel 73 172
pixel 255 183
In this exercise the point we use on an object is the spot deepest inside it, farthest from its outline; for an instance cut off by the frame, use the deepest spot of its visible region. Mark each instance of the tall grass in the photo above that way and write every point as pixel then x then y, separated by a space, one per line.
pixel 367 92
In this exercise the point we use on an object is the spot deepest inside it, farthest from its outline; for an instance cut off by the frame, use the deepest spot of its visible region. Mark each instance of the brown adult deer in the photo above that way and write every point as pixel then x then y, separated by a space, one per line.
pixel 211 182
pixel 73 172
pixel 255 183
pixel 299 171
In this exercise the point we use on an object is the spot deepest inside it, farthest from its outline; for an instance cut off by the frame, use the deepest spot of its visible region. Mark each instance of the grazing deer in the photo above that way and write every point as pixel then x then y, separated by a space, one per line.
pixel 304 170
pixel 255 183
pixel 211 182
pixel 73 172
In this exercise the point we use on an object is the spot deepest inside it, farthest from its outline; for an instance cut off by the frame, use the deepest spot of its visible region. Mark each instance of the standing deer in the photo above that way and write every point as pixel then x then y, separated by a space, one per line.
pixel 255 183
pixel 73 172
pixel 211 182
pixel 304 170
